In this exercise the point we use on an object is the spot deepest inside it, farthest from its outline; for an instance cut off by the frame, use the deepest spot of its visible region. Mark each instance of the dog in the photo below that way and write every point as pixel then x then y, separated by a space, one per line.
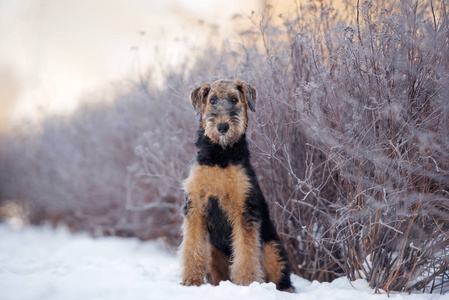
pixel 227 230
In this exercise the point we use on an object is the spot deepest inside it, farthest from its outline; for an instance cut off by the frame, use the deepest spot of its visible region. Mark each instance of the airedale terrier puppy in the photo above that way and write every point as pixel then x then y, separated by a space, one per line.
pixel 227 231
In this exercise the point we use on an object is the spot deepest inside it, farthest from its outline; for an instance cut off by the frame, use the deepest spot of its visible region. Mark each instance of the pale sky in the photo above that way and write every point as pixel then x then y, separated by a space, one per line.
pixel 54 51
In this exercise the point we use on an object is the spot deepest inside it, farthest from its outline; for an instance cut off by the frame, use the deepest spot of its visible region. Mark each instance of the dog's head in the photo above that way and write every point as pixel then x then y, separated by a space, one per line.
pixel 223 106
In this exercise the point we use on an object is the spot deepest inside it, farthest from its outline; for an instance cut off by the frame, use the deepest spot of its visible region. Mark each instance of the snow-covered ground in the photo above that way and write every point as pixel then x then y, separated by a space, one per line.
pixel 43 263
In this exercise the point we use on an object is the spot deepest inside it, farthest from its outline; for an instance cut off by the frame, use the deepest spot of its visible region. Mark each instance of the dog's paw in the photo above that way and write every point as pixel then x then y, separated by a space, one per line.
pixel 193 281
pixel 289 290
pixel 246 278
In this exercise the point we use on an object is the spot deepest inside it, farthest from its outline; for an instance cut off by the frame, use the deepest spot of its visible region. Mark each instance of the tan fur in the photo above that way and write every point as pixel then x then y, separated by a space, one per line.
pixel 230 185
pixel 245 267
pixel 219 266
pixel 195 252
pixel 271 263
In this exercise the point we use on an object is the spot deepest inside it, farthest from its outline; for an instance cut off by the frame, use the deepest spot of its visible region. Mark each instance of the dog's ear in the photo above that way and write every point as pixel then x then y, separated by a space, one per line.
pixel 249 94
pixel 198 96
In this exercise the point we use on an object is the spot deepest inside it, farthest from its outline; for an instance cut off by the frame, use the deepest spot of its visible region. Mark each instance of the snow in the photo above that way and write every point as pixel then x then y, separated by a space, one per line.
pixel 44 263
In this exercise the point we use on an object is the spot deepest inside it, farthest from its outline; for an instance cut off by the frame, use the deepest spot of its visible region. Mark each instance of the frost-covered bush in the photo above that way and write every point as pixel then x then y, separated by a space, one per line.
pixel 377 109
pixel 76 170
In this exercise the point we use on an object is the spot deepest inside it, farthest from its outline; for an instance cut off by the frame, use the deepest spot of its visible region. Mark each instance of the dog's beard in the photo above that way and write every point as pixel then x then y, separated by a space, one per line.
pixel 236 130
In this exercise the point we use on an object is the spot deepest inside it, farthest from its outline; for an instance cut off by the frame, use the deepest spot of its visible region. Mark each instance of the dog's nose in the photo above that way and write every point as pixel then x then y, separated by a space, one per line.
pixel 223 127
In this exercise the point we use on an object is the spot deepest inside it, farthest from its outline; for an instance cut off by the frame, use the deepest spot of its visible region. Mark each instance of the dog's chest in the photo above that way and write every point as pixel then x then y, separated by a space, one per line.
pixel 229 185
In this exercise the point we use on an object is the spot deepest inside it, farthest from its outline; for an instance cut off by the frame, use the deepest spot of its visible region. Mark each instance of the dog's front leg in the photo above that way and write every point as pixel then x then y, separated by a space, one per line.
pixel 194 250
pixel 246 266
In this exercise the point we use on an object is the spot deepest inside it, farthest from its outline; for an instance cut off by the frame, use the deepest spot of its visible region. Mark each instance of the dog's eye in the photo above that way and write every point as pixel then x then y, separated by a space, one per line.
pixel 213 101
pixel 234 100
